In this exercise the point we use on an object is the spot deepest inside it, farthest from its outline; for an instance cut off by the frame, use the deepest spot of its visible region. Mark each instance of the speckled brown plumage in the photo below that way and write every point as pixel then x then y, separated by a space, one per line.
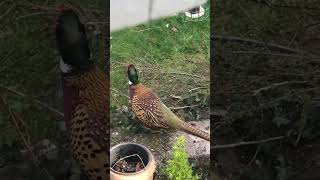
pixel 88 126
pixel 152 112
pixel 86 99
pixel 145 104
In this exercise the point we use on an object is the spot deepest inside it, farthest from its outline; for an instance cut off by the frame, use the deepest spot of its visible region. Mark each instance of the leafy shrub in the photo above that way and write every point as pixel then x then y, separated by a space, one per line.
pixel 179 167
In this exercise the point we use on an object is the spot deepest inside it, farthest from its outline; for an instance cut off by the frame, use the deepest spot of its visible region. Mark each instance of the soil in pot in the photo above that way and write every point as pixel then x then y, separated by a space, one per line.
pixel 129 164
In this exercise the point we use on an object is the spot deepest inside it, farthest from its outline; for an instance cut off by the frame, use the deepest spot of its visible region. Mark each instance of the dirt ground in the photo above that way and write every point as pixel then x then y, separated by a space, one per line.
pixel 265 79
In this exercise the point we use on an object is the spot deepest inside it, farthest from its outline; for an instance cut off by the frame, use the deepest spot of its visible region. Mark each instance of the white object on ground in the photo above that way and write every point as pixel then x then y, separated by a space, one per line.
pixel 195 15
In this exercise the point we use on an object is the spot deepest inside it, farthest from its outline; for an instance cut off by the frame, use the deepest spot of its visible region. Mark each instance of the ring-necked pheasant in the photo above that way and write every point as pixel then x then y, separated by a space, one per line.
pixel 152 112
pixel 86 99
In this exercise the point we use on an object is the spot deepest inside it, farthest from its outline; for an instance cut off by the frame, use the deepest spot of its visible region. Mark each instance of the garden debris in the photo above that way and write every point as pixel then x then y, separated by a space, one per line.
pixel 128 166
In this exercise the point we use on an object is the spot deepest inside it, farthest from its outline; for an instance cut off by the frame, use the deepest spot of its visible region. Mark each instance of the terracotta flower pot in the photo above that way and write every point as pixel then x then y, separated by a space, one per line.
pixel 124 150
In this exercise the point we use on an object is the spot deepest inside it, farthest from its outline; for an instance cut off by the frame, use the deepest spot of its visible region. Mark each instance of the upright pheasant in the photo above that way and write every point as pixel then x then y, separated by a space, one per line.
pixel 86 99
pixel 149 109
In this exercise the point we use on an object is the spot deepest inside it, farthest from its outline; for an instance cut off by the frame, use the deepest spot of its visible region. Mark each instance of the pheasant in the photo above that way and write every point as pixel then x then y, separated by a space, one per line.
pixel 152 112
pixel 86 99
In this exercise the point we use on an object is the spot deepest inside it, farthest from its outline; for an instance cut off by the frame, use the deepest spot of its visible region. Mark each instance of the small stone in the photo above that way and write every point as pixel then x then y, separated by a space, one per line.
pixel 174 29
pixel 115 133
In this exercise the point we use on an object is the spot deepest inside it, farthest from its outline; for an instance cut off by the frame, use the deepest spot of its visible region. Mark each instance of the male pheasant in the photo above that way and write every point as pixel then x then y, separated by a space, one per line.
pixel 151 111
pixel 86 99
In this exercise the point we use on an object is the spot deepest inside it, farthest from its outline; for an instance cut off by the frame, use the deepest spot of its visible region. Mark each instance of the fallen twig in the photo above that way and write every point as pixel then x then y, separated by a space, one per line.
pixel 255 92
pixel 271 4
pixel 14 117
pixel 266 53
pixel 184 74
pixel 245 143
pixel 32 99
pixel 311 59
pixel 251 41
pixel 6 108
pixel 193 89
pixel 29 15
pixel 254 156
pixel 128 157
pixel 183 107
pixel 7 12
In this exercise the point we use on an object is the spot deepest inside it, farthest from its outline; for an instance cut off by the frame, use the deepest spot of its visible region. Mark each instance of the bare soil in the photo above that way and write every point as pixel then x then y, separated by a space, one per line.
pixel 266 82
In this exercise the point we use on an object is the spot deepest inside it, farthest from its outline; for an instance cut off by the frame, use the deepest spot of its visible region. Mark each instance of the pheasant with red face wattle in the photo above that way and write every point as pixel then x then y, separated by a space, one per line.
pixel 86 99
pixel 151 111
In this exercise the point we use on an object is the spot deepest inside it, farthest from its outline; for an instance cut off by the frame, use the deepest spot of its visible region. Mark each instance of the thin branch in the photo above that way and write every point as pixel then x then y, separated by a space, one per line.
pixel 14 117
pixel 7 12
pixel 254 156
pixel 7 109
pixel 32 99
pixel 183 107
pixel 245 143
pixel 271 4
pixel 266 53
pixel 184 74
pixel 29 15
pixel 251 41
pixel 255 92
pixel 193 89
pixel 128 157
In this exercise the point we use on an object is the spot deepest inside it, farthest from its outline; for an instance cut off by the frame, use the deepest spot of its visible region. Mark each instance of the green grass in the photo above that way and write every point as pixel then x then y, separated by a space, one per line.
pixel 156 48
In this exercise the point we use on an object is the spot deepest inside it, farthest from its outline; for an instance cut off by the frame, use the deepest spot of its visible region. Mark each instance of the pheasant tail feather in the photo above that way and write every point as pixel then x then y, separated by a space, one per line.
pixel 175 122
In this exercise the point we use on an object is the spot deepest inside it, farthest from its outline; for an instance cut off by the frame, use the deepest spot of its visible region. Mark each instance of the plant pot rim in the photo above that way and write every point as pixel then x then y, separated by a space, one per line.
pixel 151 159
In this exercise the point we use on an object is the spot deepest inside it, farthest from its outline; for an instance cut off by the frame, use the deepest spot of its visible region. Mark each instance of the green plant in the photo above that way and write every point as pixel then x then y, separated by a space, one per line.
pixel 179 167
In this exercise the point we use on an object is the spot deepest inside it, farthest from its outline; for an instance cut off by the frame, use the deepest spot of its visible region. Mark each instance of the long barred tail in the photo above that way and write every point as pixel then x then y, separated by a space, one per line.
pixel 188 128
pixel 175 122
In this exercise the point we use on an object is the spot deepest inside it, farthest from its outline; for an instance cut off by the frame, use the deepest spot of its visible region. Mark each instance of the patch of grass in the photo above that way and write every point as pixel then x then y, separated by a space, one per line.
pixel 173 44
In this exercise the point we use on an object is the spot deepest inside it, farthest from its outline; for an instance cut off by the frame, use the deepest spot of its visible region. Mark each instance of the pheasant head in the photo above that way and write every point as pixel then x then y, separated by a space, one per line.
pixel 72 42
pixel 133 80
pixel 132 75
